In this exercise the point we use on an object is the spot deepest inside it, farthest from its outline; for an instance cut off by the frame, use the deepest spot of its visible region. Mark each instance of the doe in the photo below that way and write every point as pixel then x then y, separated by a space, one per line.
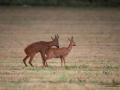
pixel 60 52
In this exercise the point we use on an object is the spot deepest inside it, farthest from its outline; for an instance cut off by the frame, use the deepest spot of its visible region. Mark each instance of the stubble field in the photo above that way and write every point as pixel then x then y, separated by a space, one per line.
pixel 94 64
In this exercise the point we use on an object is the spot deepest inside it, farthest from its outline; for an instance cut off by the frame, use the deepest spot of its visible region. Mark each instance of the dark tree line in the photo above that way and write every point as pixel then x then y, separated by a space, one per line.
pixel 61 2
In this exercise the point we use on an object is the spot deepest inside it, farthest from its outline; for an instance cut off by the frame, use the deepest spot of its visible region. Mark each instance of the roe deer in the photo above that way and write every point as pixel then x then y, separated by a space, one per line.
pixel 60 52
pixel 42 47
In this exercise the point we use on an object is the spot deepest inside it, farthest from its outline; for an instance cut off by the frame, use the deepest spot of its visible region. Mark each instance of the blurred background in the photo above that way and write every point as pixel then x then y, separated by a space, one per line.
pixel 68 3
pixel 93 64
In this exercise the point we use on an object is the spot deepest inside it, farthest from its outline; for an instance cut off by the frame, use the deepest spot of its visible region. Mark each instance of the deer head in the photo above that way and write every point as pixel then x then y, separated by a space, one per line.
pixel 72 41
pixel 56 41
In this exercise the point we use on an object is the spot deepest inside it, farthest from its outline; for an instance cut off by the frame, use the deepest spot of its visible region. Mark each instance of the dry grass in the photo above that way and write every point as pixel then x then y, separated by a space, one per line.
pixel 94 64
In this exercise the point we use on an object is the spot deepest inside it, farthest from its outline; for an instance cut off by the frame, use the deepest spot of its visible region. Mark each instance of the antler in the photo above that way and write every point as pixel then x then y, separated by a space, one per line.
pixel 56 36
pixel 52 38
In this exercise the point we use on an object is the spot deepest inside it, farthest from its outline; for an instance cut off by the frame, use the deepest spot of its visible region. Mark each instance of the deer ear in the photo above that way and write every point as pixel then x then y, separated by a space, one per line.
pixel 72 38
pixel 52 38
pixel 69 39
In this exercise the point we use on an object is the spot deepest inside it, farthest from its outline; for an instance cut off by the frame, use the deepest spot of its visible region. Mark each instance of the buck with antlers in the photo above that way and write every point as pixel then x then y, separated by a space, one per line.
pixel 42 47
pixel 60 52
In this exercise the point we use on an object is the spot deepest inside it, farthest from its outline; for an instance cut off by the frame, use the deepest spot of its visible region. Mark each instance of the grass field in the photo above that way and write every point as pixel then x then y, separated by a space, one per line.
pixel 94 64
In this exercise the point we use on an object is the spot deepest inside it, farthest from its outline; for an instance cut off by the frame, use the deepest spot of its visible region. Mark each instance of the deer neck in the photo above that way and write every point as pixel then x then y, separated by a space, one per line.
pixel 69 47
pixel 51 43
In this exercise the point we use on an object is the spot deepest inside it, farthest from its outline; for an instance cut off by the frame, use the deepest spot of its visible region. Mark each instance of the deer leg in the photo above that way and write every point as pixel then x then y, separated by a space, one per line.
pixel 30 61
pixel 46 63
pixel 64 60
pixel 24 60
pixel 61 60
pixel 43 58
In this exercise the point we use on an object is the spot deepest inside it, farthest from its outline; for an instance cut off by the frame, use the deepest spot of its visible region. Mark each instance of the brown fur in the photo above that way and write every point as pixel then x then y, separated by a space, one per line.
pixel 60 52
pixel 41 47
